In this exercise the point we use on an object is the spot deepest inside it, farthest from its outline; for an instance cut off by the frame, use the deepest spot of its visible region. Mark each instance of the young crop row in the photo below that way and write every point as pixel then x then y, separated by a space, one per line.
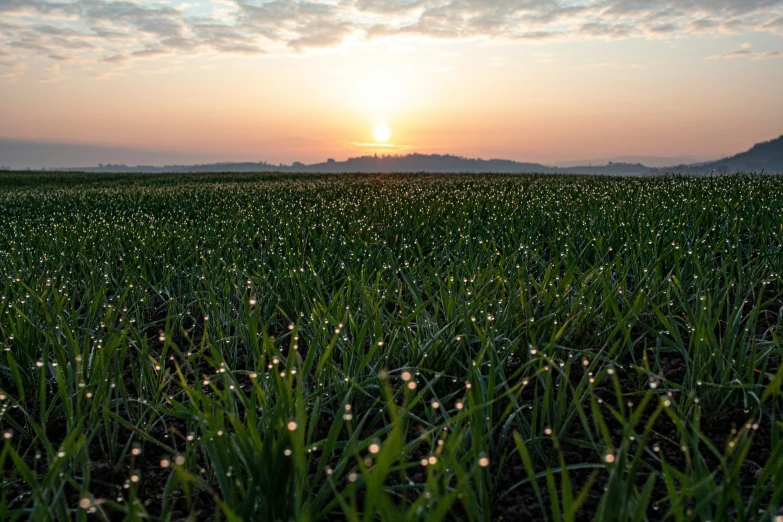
pixel 391 347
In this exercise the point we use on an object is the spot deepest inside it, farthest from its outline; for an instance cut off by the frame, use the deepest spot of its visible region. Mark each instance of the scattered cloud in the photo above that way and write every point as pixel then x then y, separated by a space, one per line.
pixel 120 33
pixel 702 25
pixel 53 73
pixel 732 54
pixel 768 54
pixel 105 75
pixel 745 52
pixel 11 69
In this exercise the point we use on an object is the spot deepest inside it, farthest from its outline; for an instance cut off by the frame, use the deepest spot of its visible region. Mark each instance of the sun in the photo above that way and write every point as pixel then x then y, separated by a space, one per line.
pixel 381 133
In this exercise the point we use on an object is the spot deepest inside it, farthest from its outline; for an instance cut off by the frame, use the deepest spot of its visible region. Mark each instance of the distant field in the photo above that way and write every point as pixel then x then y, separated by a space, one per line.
pixel 390 347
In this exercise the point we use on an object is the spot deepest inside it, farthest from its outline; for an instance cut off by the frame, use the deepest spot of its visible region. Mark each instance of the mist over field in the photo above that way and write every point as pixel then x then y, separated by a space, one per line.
pixel 762 157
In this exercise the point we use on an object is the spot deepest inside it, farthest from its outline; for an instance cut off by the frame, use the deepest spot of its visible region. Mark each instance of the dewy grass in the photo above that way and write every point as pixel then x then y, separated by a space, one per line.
pixel 270 347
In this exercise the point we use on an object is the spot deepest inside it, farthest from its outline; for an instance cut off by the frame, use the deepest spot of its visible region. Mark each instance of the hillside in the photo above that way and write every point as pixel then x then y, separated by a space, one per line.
pixel 766 156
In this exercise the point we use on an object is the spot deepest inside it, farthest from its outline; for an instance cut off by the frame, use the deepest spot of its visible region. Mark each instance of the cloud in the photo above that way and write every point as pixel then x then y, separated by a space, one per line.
pixel 115 34
pixel 768 54
pixel 775 25
pixel 702 25
pixel 12 70
pixel 53 73
pixel 105 75
pixel 389 6
pixel 299 24
pixel 732 54
pixel 225 38
pixel 608 30
pixel 745 52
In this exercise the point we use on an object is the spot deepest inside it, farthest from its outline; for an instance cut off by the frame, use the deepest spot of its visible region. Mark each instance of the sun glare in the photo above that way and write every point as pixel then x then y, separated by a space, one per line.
pixel 381 92
pixel 381 133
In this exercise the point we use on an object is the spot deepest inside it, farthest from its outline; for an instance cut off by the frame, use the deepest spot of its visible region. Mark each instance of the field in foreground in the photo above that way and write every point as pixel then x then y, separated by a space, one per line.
pixel 268 347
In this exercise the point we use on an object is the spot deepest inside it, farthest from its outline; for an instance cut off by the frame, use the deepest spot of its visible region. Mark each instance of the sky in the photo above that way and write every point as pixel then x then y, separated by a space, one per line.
pixel 551 81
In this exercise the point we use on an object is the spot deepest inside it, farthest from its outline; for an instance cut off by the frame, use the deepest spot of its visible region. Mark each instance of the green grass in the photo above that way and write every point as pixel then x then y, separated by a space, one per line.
pixel 270 347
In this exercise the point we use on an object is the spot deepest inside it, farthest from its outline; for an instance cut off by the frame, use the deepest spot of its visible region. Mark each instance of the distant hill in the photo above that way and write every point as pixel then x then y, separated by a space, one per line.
pixel 386 164
pixel 767 157
pixel 649 161
pixel 424 163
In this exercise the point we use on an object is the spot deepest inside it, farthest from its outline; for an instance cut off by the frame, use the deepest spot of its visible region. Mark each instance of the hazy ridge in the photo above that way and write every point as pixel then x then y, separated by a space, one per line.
pixel 766 156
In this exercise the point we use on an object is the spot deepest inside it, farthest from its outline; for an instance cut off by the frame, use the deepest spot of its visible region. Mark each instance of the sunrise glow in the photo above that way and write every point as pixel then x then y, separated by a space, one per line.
pixel 284 80
pixel 381 133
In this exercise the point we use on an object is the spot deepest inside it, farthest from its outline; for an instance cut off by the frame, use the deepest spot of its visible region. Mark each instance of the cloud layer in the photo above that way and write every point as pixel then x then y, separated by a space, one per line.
pixel 116 34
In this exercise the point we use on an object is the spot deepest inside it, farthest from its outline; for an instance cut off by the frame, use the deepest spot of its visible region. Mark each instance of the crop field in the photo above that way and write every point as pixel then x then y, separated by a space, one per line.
pixel 393 347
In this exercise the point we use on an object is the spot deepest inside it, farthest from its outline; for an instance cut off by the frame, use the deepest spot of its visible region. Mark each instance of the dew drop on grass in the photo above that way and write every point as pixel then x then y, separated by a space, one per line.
pixel 483 460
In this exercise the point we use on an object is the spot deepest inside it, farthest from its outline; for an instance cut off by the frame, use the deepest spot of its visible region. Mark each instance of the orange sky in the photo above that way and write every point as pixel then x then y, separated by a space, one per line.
pixel 600 81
